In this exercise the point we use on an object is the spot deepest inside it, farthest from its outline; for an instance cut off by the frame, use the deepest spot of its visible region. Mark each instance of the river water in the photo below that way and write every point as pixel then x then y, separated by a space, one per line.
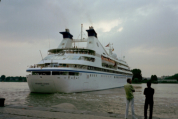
pixel 111 100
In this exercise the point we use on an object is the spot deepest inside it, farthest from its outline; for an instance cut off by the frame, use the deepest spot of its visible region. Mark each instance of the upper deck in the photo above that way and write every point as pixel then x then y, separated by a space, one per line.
pixel 72 51
pixel 93 55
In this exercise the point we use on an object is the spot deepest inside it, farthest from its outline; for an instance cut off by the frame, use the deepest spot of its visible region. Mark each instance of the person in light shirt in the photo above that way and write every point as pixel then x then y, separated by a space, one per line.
pixel 129 98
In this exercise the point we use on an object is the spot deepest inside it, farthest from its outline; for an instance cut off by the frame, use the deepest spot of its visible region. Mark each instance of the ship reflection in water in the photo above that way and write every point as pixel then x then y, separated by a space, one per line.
pixel 111 100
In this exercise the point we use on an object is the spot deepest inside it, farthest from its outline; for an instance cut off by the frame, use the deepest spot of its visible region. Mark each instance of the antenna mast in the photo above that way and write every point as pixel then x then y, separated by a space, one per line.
pixel 81 30
pixel 42 57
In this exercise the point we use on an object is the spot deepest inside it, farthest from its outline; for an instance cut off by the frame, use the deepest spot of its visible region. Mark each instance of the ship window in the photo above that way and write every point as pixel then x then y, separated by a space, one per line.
pixel 41 73
pixel 70 57
pixel 48 57
pixel 59 57
pixel 90 59
pixel 55 73
pixel 63 73
pixel 55 57
pixel 74 73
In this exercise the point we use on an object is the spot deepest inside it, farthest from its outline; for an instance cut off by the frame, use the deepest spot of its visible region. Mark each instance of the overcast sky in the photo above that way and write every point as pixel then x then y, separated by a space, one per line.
pixel 145 32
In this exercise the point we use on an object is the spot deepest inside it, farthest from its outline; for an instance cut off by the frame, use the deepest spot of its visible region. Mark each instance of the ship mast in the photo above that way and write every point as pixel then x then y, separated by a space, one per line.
pixel 75 40
pixel 81 30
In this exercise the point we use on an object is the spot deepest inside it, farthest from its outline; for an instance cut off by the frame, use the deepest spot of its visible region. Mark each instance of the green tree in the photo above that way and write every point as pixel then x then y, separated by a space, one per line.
pixel 7 78
pixel 136 80
pixel 154 78
pixel 3 77
pixel 175 76
pixel 137 73
pixel 25 79
pixel 20 78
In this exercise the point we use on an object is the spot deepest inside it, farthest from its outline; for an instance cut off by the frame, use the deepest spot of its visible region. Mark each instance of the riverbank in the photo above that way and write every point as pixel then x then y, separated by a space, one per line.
pixel 95 102
pixel 157 83
pixel 19 112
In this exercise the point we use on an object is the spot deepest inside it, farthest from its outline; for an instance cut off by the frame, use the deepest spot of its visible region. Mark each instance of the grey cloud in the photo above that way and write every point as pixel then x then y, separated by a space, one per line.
pixel 150 24
pixel 158 28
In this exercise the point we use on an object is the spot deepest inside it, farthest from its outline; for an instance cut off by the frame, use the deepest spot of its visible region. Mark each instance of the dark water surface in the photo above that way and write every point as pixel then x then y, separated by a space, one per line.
pixel 100 101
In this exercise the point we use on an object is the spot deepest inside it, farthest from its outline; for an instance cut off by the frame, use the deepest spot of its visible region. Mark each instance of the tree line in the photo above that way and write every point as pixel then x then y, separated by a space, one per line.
pixel 175 76
pixel 3 78
pixel 137 77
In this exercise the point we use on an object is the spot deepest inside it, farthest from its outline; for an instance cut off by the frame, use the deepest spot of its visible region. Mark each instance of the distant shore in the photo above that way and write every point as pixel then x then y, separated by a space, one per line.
pixel 158 83
pixel 13 81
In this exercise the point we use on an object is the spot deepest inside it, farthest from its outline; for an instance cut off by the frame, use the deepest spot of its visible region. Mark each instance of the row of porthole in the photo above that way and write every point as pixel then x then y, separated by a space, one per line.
pixel 73 78
pixel 116 77
pixel 109 76
pixel 106 76
pixel 93 75
pixel 70 78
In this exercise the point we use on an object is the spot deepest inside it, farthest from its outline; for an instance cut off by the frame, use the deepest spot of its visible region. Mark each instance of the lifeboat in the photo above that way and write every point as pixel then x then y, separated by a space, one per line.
pixel 107 61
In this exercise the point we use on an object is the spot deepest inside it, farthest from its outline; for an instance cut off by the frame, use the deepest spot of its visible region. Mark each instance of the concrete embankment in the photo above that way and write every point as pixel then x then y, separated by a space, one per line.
pixel 23 112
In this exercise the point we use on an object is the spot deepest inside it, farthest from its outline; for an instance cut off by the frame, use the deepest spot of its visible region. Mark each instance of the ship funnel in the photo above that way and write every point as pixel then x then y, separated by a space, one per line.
pixel 91 32
pixel 66 34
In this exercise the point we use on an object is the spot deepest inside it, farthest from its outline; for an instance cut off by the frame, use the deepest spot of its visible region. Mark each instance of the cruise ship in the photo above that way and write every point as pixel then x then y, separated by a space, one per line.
pixel 69 69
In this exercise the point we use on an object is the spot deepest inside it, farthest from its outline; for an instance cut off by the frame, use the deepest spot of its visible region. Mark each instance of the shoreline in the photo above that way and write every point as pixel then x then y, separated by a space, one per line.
pixel 104 103
pixel 27 112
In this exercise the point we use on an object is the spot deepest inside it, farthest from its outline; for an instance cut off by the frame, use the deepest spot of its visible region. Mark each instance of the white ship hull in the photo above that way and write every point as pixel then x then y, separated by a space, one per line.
pixel 70 84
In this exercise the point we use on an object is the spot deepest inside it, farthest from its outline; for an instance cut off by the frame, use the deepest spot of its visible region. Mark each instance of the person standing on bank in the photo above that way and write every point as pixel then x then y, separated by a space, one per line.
pixel 148 92
pixel 129 98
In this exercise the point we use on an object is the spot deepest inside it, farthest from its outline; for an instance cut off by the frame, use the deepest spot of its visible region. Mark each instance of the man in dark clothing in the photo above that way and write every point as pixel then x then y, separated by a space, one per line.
pixel 148 92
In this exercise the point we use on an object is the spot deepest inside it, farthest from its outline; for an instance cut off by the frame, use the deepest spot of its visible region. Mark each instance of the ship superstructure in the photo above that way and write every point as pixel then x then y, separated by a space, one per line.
pixel 71 69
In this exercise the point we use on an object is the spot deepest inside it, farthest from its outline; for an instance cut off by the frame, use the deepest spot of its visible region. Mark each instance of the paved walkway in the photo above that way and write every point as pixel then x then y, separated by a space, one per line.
pixel 43 113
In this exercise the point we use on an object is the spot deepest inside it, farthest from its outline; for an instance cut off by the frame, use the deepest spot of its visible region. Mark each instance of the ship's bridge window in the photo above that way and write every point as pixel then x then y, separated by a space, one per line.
pixel 63 57
pixel 54 57
pixel 48 57
pixel 70 57
pixel 90 59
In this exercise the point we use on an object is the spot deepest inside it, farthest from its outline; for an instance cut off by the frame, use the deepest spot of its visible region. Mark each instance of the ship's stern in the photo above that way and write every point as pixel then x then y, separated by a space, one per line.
pixel 41 83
